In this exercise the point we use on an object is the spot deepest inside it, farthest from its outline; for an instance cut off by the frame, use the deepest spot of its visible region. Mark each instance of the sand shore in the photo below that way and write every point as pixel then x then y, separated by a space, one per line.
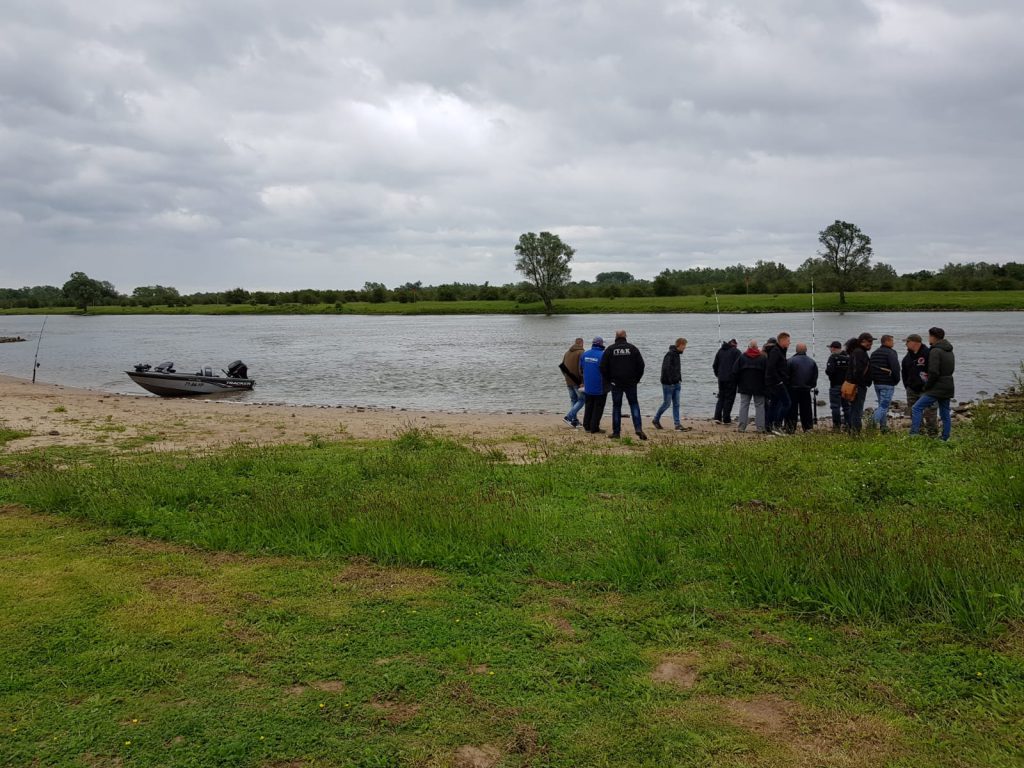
pixel 57 415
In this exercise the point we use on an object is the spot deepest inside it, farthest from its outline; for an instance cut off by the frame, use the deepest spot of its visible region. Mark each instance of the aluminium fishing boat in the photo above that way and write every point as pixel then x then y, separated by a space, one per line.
pixel 163 380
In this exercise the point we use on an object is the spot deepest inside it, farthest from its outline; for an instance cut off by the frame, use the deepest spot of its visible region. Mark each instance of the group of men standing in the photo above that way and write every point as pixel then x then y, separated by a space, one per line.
pixel 591 374
pixel 781 388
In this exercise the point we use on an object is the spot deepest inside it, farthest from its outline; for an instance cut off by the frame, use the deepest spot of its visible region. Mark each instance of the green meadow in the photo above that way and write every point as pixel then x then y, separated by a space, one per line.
pixel 812 601
pixel 747 303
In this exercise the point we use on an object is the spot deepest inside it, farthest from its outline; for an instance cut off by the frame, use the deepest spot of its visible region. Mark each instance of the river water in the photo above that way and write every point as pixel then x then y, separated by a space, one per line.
pixel 489 363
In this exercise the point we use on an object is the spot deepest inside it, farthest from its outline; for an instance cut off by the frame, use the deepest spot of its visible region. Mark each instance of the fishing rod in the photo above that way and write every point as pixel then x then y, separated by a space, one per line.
pixel 718 311
pixel 35 363
pixel 814 352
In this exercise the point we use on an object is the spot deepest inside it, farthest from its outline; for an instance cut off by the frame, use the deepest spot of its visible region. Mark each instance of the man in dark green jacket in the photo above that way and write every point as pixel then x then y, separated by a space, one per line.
pixel 938 387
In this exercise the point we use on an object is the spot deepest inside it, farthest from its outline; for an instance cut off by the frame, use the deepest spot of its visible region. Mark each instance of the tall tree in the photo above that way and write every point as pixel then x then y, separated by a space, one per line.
pixel 847 252
pixel 544 261
pixel 83 290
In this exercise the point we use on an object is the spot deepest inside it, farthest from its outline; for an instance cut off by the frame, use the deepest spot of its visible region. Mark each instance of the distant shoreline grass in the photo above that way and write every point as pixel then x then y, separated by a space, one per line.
pixel 907 301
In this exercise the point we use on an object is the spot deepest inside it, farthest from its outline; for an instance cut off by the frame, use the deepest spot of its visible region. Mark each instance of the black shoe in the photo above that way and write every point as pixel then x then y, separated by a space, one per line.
pixel 597 431
pixel 613 436
pixel 641 435
pixel 657 424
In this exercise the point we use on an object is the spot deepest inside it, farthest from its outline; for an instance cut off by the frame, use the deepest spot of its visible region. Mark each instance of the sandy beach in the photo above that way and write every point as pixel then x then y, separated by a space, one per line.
pixel 57 415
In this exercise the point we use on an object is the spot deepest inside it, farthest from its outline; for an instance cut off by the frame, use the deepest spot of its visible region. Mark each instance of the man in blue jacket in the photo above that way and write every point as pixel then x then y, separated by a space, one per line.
pixel 594 388
pixel 885 375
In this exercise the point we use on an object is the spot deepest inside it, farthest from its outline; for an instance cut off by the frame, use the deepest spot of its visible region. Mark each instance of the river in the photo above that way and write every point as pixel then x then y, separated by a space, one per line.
pixel 462 363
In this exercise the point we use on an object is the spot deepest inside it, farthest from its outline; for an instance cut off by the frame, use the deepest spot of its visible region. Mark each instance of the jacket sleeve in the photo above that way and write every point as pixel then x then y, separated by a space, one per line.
pixel 603 365
pixel 830 367
pixel 851 369
pixel 814 376
pixel 666 367
pixel 639 365
pixel 714 365
pixel 934 369
pixel 896 371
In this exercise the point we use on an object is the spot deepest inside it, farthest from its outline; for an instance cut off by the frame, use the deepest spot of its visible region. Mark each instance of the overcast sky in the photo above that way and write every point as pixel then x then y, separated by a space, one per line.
pixel 324 143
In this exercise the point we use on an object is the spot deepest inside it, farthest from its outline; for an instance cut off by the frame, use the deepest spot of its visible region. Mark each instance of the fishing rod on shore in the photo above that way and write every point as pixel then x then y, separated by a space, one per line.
pixel 718 311
pixel 35 362
pixel 814 352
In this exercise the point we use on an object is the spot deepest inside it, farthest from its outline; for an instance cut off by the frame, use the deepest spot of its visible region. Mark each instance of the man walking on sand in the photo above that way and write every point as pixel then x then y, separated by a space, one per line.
pixel 915 372
pixel 671 383
pixel 622 366
pixel 939 386
pixel 885 375
pixel 572 371
pixel 595 387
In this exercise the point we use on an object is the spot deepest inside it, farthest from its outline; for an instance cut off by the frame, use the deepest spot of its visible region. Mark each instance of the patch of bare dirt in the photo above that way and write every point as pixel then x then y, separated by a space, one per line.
pixel 184 589
pixel 815 739
pixel 395 712
pixel 367 578
pixel 680 671
pixel 561 625
pixel 769 638
pixel 476 757
pixel 101 761
pixel 328 686
pixel 479 669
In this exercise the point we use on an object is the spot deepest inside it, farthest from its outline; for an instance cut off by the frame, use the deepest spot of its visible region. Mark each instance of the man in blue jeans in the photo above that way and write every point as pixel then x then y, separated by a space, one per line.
pixel 671 383
pixel 938 388
pixel 572 371
pixel 622 366
pixel 885 375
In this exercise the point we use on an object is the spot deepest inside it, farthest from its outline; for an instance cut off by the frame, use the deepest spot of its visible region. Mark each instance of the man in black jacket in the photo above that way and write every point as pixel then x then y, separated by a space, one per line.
pixel 776 383
pixel 885 375
pixel 803 378
pixel 835 369
pixel 914 371
pixel 859 372
pixel 622 366
pixel 725 359
pixel 671 383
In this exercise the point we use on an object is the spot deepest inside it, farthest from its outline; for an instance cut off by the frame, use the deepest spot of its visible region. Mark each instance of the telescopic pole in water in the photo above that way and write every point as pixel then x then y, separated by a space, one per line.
pixel 718 311
pixel 814 394
pixel 35 363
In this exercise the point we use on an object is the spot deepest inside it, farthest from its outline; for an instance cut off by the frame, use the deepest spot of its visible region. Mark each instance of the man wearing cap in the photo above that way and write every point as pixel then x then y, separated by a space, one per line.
pixel 572 371
pixel 835 370
pixel 594 388
pixel 725 361
pixel 622 366
pixel 859 372
pixel 885 375
pixel 915 373
pixel 939 386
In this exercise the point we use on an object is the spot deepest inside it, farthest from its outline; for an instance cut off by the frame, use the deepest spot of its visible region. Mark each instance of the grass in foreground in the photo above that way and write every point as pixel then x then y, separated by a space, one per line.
pixel 877 301
pixel 806 602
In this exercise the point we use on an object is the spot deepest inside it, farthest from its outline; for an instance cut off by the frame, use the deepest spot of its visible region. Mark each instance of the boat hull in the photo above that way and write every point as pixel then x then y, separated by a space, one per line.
pixel 187 385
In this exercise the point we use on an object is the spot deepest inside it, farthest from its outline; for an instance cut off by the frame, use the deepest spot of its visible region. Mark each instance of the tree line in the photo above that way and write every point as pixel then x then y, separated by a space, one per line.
pixel 843 264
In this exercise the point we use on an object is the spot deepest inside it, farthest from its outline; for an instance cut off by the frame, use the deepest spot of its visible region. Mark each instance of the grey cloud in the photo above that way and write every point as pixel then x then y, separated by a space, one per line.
pixel 324 143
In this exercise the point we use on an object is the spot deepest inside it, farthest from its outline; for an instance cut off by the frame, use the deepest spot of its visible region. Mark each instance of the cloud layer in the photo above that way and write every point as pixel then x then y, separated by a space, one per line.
pixel 325 143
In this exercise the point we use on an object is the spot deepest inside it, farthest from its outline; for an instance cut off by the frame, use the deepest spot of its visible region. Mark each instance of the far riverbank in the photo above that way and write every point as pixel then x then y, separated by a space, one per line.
pixel 903 301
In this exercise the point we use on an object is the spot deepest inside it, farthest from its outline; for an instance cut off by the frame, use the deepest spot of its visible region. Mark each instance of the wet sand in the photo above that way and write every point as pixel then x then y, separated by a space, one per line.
pixel 57 415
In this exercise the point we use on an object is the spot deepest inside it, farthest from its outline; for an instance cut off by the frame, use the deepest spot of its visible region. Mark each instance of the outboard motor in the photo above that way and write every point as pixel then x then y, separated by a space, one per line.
pixel 142 367
pixel 167 367
pixel 238 370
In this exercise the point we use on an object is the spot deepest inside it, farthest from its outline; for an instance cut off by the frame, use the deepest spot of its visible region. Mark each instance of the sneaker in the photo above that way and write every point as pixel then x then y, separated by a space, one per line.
pixel 575 423
pixel 641 435
pixel 568 422
pixel 657 424
pixel 717 421
pixel 613 436
pixel 741 429
pixel 597 431
pixel 681 428
pixel 777 432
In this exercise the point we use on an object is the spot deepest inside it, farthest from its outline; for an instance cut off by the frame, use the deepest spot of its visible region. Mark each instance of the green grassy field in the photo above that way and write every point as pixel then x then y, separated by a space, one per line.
pixel 794 302
pixel 809 601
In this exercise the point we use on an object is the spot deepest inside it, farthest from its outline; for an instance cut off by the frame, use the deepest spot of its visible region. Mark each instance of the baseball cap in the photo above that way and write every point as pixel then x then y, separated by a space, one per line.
pixel 835 345
pixel 913 337
pixel 732 342
pixel 865 337
pixel 597 340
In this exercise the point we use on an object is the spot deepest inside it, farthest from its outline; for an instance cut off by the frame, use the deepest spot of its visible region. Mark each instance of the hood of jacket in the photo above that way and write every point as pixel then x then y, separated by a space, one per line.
pixel 673 349
pixel 752 352
pixel 944 345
